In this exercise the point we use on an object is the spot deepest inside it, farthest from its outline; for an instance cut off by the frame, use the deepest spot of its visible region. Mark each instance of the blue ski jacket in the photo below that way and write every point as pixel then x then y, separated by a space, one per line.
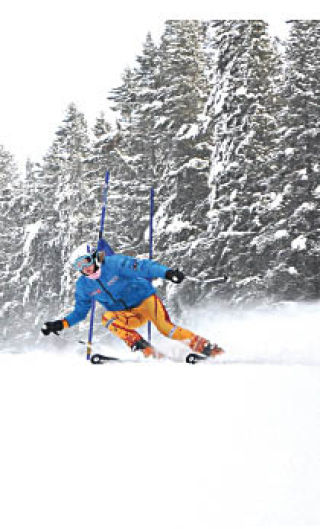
pixel 123 284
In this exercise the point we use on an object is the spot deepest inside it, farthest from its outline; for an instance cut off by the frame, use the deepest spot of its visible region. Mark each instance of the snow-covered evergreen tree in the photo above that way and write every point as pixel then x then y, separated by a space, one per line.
pixel 241 111
pixel 134 159
pixel 64 165
pixel 147 83
pixel 100 160
pixel 292 238
pixel 13 249
pixel 43 265
pixel 184 149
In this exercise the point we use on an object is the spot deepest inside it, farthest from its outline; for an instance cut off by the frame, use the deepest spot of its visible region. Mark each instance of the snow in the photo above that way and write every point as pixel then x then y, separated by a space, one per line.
pixel 176 225
pixel 188 131
pixel 241 91
pixel 193 163
pixel 289 151
pixel 303 174
pixel 4 307
pixel 299 243
pixel 31 231
pixel 304 207
pixel 160 121
pixel 155 105
pixel 232 443
pixel 247 280
pixel 32 279
pixel 264 239
pixel 233 195
pixel 316 192
pixel 281 234
pixel 276 200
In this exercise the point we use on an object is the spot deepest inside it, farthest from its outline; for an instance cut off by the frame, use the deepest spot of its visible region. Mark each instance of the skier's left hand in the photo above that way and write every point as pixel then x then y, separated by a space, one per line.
pixel 176 276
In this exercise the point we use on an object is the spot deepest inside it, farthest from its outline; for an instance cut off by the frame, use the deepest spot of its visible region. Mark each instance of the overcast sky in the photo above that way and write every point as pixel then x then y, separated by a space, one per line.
pixel 55 52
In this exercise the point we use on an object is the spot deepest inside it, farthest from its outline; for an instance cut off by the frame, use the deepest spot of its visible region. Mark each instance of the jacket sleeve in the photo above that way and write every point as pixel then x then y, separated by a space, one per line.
pixel 81 308
pixel 132 268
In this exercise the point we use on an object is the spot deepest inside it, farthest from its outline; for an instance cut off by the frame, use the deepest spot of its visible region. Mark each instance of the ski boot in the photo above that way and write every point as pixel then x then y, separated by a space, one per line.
pixel 204 347
pixel 145 347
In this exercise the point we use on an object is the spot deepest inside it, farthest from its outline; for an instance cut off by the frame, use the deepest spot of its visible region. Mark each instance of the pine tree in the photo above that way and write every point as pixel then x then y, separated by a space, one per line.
pixel 96 164
pixel 146 109
pixel 241 110
pixel 104 156
pixel 295 252
pixel 183 91
pixel 133 159
pixel 64 164
pixel 12 247
pixel 184 145
pixel 42 266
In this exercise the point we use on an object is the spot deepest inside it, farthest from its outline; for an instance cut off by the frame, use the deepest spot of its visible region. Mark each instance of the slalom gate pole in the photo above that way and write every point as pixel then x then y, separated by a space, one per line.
pixel 104 205
pixel 151 243
pixel 102 221
pixel 90 335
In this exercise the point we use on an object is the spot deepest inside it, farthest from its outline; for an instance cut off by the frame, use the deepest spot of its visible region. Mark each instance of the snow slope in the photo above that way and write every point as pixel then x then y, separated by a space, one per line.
pixel 163 445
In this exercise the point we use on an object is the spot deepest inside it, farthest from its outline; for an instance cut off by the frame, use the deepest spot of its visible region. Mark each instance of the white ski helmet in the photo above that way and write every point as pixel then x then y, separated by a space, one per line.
pixel 82 256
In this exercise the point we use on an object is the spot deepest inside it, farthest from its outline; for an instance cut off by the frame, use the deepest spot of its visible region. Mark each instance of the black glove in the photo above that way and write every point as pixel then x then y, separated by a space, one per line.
pixel 52 326
pixel 174 275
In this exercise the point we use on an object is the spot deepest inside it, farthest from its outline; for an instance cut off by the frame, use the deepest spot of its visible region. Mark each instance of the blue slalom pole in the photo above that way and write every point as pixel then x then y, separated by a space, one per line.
pixel 104 205
pixel 151 243
pixel 100 243
pixel 90 335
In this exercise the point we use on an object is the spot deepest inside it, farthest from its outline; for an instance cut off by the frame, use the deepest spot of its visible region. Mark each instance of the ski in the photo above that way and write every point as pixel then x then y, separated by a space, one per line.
pixel 101 359
pixel 192 358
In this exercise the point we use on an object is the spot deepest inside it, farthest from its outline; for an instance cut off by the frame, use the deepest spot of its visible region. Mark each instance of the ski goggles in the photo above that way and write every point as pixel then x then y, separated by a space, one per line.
pixel 83 261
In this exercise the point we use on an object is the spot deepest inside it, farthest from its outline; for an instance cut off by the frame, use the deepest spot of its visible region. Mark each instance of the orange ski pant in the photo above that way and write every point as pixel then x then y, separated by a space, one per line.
pixel 123 322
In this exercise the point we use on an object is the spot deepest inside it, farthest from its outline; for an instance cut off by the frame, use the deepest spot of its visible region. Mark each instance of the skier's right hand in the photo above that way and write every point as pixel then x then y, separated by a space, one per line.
pixel 52 326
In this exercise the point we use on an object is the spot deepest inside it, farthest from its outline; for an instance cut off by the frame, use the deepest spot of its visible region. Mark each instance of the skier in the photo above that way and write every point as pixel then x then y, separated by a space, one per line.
pixel 122 285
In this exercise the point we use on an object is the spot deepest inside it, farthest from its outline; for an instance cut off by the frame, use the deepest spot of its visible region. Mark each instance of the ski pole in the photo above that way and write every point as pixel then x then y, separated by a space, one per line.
pixel 102 221
pixel 216 280
pixel 151 244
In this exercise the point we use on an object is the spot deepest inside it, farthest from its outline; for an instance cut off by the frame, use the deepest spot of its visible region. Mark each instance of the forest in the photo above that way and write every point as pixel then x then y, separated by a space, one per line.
pixel 223 120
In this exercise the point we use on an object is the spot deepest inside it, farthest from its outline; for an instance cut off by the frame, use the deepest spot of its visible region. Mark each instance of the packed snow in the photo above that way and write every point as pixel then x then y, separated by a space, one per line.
pixel 233 442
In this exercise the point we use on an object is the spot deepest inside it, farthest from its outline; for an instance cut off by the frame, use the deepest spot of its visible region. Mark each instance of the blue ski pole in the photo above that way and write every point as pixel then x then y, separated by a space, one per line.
pixel 151 243
pixel 102 221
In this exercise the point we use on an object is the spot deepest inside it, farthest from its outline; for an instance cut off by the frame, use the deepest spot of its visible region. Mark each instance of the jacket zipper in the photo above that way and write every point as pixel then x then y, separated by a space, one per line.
pixel 111 296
